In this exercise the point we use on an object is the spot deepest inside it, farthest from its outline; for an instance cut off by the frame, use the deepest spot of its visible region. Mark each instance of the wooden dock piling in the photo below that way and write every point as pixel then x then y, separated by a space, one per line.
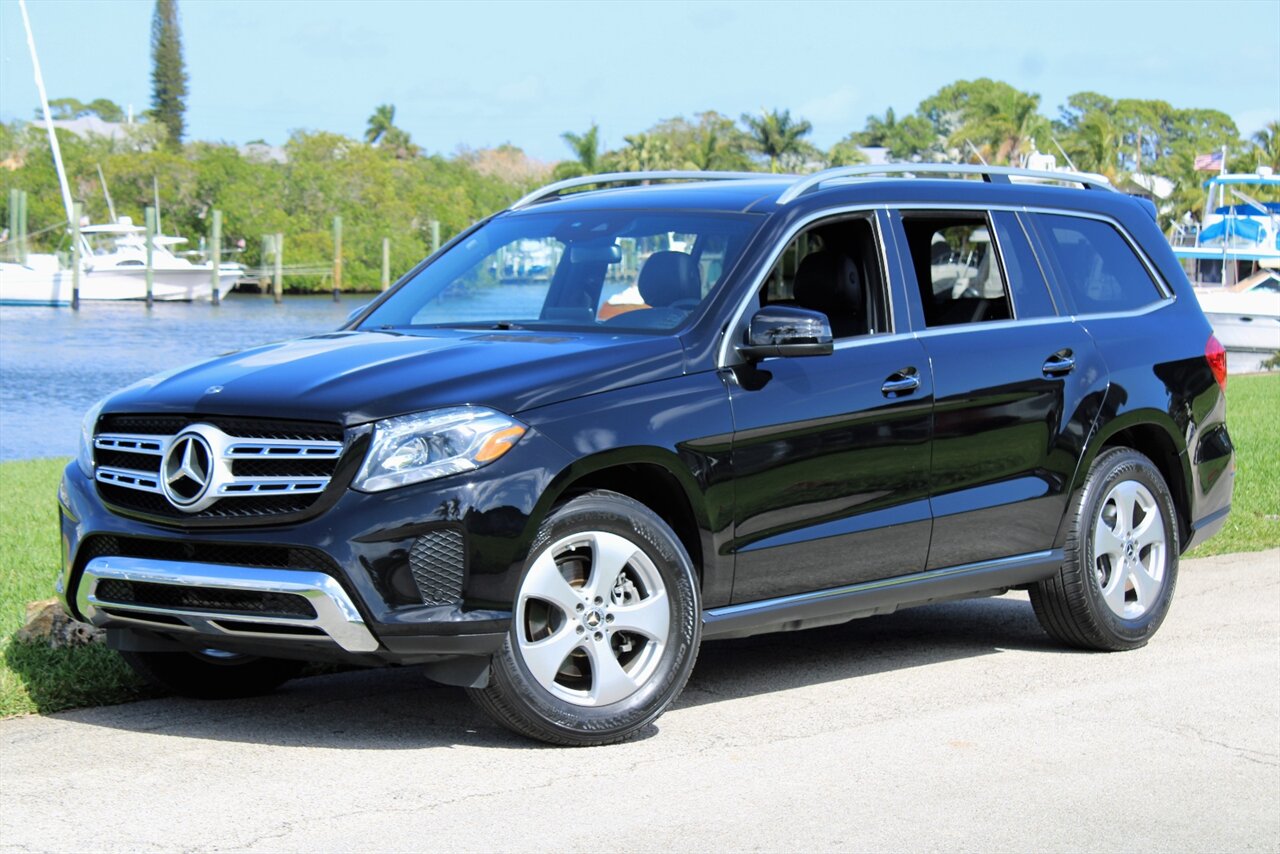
pixel 215 256
pixel 149 215
pixel 337 258
pixel 77 210
pixel 386 263
pixel 277 281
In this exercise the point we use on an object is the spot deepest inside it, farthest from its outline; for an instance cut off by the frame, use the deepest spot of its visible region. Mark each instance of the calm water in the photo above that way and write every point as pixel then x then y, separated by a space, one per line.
pixel 55 363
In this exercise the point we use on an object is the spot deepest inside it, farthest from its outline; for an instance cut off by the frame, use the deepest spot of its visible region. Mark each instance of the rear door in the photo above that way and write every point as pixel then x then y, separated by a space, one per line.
pixel 1017 384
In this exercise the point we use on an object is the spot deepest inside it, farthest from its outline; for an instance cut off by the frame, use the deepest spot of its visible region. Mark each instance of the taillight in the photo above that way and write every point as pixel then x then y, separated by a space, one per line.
pixel 1216 355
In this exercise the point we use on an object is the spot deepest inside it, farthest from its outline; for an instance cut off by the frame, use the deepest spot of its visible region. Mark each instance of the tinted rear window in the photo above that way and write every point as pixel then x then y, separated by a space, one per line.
pixel 1095 265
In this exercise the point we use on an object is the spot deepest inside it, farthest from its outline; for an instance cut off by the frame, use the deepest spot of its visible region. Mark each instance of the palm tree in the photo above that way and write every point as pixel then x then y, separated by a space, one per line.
pixel 775 134
pixel 585 147
pixel 644 152
pixel 382 120
pixel 1095 144
pixel 1004 124
pixel 1267 143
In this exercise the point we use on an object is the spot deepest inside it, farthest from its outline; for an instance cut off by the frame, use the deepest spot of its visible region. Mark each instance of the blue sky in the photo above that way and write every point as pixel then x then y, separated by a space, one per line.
pixel 482 74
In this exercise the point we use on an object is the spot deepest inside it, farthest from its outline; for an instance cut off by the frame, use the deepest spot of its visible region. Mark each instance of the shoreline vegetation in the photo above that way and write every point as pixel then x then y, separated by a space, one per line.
pixel 35 678
pixel 384 186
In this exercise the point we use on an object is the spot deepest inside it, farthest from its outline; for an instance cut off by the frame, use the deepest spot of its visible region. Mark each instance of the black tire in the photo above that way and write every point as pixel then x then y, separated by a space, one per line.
pixel 1071 605
pixel 659 567
pixel 212 676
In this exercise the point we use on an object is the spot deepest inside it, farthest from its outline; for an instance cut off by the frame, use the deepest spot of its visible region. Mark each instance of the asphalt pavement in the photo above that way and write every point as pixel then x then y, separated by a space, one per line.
pixel 951 727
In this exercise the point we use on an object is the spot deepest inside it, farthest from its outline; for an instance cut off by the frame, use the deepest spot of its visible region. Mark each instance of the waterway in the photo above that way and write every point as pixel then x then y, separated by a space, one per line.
pixel 55 363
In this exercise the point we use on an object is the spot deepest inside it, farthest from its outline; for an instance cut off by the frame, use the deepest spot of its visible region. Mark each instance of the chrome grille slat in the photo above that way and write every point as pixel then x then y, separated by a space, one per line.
pixel 134 444
pixel 144 481
pixel 273 485
pixel 280 449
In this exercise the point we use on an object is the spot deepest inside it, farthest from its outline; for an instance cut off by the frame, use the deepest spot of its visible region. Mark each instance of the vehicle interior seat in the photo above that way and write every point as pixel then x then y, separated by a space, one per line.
pixel 829 281
pixel 668 278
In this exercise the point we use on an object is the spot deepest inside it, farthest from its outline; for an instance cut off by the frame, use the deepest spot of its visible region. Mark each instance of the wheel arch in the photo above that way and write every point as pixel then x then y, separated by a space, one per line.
pixel 655 477
pixel 1153 434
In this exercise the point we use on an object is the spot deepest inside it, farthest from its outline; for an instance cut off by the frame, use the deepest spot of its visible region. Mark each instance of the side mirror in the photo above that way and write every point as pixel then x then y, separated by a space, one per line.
pixel 786 330
pixel 354 313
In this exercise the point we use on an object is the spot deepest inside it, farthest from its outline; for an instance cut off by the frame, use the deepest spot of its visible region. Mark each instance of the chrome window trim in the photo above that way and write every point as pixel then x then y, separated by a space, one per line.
pixel 1158 280
pixel 722 357
pixel 1168 294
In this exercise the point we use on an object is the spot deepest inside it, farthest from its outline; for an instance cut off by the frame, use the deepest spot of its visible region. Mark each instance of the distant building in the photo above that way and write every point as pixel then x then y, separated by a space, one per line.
pixel 87 126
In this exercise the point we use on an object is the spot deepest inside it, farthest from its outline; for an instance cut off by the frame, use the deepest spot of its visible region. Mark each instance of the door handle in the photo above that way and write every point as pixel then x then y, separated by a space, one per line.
pixel 1059 364
pixel 904 381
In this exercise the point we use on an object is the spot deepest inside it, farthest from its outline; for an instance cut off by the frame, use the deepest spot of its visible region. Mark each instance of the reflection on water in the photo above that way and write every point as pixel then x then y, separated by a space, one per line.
pixel 54 363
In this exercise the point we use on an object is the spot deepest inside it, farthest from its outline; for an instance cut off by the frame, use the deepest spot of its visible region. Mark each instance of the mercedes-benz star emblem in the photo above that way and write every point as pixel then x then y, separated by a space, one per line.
pixel 188 466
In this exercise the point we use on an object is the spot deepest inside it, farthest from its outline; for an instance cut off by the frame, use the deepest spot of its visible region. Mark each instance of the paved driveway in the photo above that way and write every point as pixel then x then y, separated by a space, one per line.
pixel 957 726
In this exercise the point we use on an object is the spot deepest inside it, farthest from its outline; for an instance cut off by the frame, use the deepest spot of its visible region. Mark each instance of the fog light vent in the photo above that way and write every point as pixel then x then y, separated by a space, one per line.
pixel 436 561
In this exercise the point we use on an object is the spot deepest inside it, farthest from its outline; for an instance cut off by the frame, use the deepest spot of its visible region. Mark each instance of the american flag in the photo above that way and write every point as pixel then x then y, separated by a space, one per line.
pixel 1209 162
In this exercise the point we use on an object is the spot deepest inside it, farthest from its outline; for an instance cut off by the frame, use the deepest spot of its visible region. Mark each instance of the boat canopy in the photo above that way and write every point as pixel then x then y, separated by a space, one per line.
pixel 1264 209
pixel 1244 178
pixel 1245 229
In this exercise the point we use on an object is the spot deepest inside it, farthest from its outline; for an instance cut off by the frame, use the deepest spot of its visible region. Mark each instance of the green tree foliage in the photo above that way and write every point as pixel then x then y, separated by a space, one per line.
pixel 586 151
pixel 778 137
pixel 1266 145
pixel 383 132
pixel 1002 123
pixel 72 108
pixel 168 72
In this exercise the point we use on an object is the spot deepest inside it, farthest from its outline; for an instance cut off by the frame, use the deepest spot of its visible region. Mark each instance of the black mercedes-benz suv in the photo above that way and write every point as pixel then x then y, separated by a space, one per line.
pixel 634 412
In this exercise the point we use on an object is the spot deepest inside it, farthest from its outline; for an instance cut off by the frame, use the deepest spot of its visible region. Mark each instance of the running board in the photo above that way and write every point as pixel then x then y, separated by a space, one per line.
pixel 841 604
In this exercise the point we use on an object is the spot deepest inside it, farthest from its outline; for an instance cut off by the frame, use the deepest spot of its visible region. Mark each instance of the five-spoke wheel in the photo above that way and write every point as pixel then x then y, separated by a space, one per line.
pixel 1121 558
pixel 605 627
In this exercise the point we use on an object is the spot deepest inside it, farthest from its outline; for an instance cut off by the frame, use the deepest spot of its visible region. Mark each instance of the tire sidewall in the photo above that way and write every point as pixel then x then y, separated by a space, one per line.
pixel 619 515
pixel 1115 468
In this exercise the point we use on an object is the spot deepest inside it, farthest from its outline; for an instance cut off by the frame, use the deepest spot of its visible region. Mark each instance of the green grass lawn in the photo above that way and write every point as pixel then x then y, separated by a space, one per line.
pixel 34 678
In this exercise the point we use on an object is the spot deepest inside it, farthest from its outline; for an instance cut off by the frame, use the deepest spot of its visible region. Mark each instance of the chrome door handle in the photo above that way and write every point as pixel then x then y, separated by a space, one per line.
pixel 903 382
pixel 1059 364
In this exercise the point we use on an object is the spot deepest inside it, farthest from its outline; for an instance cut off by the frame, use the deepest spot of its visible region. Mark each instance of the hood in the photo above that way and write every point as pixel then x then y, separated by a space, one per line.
pixel 356 377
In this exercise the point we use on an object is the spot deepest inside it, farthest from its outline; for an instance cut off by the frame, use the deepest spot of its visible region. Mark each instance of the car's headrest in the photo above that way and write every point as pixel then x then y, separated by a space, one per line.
pixel 669 277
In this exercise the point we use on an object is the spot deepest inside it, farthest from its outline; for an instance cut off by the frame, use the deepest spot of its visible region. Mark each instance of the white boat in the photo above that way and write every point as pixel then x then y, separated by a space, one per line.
pixel 1232 257
pixel 114 267
pixel 1245 316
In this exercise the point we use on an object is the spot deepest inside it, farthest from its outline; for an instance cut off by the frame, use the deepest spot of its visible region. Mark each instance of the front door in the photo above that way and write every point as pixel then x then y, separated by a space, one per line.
pixel 831 453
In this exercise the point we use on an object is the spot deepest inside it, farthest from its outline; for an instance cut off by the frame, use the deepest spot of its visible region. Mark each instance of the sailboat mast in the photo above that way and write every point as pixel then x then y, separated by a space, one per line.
pixel 111 208
pixel 48 118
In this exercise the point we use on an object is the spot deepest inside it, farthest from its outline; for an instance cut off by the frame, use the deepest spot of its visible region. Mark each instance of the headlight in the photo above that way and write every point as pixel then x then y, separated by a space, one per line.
pixel 414 448
pixel 85 457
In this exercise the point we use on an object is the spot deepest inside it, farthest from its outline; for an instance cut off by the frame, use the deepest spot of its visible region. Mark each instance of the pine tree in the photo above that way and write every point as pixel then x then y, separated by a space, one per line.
pixel 168 74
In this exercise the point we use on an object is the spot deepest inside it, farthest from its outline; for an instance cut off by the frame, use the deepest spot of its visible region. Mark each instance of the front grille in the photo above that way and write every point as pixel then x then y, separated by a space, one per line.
pixel 436 561
pixel 182 598
pixel 231 554
pixel 262 467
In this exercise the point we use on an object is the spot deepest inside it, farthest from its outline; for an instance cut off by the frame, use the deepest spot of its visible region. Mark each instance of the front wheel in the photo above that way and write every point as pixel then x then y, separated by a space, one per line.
pixel 1121 558
pixel 605 628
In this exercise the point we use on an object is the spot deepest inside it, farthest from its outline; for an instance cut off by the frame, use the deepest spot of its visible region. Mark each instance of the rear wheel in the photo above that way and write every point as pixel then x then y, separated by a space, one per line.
pixel 1121 558
pixel 212 674
pixel 605 628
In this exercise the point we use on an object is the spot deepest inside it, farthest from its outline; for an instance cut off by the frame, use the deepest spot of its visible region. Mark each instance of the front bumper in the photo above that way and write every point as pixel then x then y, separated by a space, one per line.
pixel 162 595
pixel 363 603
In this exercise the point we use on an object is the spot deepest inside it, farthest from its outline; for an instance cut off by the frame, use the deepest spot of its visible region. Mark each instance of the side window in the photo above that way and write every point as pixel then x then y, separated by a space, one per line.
pixel 1095 266
pixel 834 267
pixel 956 267
pixel 1031 297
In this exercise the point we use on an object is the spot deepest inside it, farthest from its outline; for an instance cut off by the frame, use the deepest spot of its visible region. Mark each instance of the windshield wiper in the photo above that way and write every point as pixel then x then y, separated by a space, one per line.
pixel 506 324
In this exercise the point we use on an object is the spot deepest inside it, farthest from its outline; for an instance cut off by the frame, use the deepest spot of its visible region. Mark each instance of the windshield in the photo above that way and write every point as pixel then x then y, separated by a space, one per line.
pixel 614 270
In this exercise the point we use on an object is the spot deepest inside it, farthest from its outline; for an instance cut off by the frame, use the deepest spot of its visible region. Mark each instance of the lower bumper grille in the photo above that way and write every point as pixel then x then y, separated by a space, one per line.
pixel 220 600
pixel 436 561
pixel 173 596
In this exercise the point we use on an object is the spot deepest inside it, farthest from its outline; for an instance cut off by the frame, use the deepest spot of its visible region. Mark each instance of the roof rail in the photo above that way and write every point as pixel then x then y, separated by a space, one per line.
pixel 551 191
pixel 991 174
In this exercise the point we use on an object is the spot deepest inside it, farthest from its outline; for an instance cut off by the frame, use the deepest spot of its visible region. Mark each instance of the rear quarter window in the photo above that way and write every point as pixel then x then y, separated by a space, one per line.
pixel 1096 268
